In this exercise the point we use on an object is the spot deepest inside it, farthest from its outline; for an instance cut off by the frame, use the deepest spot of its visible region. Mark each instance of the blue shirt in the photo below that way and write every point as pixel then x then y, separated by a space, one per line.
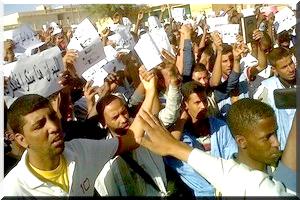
pixel 222 145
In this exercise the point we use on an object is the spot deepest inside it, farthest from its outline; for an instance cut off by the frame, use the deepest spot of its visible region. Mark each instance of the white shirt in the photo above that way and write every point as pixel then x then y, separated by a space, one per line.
pixel 85 158
pixel 233 179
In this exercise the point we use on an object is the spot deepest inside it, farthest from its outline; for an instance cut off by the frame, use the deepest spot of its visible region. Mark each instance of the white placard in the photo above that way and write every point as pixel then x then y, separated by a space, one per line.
pixel 228 32
pixel 110 53
pixel 99 72
pixel 154 23
pixel 96 73
pixel 148 51
pixel 86 40
pixel 216 21
pixel 178 14
pixel 122 38
pixel 161 40
pixel 37 74
pixel 247 12
pixel 23 37
pixel 285 19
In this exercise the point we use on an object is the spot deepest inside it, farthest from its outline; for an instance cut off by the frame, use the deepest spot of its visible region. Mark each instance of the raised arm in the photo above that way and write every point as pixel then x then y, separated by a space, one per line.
pixel 135 133
pixel 138 22
pixel 216 76
pixel 185 58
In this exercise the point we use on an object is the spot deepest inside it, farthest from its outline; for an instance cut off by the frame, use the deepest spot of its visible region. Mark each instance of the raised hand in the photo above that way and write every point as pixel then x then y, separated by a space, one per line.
pixel 169 63
pixel 140 15
pixel 105 32
pixel 69 61
pixel 186 30
pixel 89 93
pixel 238 50
pixel 158 139
pixel 148 79
pixel 217 40
pixel 257 35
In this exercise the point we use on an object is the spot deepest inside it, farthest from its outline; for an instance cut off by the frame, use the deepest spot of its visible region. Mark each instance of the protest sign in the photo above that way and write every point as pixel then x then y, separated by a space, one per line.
pixel 285 19
pixel 212 22
pixel 96 73
pixel 247 12
pixel 151 57
pixel 86 40
pixel 110 52
pixel 153 23
pixel 228 32
pixel 122 38
pixel 161 40
pixel 23 37
pixel 99 71
pixel 37 74
pixel 178 14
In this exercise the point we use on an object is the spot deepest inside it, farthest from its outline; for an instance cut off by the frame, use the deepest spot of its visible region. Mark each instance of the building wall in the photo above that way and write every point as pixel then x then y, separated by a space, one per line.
pixel 36 19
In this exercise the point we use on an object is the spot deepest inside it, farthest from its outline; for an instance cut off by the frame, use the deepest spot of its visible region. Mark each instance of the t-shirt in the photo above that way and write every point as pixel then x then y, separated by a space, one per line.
pixel 58 176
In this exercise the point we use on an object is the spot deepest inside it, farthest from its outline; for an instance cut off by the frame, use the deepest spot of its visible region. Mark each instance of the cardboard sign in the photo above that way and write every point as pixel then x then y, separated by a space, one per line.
pixel 37 74
pixel 148 51
pixel 86 40
pixel 285 19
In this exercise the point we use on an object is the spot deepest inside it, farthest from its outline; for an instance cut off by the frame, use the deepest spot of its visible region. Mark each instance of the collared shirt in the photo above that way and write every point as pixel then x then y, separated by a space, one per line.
pixel 85 158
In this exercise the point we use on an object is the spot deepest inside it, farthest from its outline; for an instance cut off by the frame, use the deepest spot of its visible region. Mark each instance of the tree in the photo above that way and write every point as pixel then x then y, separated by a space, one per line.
pixel 107 10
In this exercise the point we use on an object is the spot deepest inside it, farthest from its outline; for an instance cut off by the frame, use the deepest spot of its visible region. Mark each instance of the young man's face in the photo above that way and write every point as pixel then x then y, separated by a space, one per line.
pixel 43 133
pixel 201 77
pixel 262 143
pixel 286 69
pixel 197 106
pixel 227 63
pixel 116 117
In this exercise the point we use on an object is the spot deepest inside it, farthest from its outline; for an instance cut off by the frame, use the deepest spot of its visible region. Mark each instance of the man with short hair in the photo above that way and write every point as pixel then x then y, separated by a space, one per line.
pixel 120 177
pixel 49 166
pixel 199 131
pixel 285 77
pixel 253 125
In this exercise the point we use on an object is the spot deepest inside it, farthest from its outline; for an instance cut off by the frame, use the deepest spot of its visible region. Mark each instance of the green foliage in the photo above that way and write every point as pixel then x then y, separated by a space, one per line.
pixel 107 10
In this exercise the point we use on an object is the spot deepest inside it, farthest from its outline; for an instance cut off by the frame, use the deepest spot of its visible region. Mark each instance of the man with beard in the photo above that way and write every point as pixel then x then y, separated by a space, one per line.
pixel 199 131
pixel 285 77
pixel 136 173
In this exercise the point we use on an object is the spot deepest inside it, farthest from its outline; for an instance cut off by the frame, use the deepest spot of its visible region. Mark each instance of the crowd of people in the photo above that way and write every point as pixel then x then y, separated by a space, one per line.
pixel 204 122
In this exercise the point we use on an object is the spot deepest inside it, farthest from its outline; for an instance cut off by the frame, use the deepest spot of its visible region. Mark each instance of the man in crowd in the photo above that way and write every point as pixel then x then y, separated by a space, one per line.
pixel 139 172
pixel 199 131
pixel 253 125
pixel 50 167
pixel 285 77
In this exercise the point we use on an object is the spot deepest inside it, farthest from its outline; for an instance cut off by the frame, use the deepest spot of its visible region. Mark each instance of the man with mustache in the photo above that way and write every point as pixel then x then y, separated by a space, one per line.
pixel 285 77
pixel 49 166
pixel 119 177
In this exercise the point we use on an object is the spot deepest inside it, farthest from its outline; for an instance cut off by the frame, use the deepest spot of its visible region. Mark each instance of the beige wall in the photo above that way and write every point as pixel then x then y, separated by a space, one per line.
pixel 36 19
